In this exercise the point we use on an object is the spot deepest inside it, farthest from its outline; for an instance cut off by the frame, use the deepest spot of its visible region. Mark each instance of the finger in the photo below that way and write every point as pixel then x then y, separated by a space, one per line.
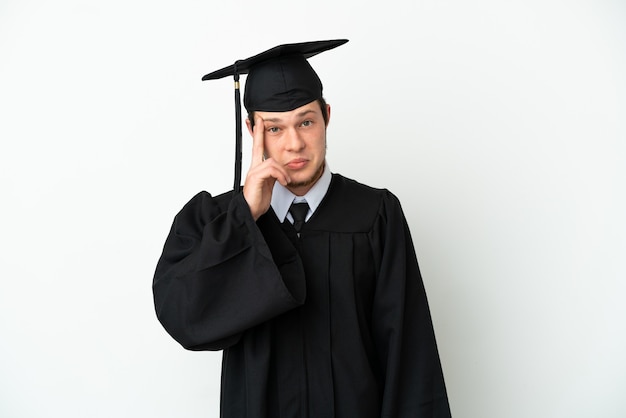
pixel 280 174
pixel 269 169
pixel 258 134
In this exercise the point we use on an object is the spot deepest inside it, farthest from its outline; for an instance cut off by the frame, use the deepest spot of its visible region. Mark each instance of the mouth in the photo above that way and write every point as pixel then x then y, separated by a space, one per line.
pixel 297 163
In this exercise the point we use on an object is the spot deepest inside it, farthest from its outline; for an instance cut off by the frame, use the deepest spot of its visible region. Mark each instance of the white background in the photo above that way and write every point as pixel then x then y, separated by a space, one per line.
pixel 500 126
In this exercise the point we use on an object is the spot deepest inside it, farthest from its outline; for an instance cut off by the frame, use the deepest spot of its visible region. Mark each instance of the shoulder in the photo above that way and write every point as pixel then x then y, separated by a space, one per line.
pixel 350 206
pixel 204 202
pixel 205 198
pixel 354 193
pixel 204 207
pixel 346 184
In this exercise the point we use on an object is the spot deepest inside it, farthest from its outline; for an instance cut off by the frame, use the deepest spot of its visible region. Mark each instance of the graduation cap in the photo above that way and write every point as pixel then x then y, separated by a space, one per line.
pixel 279 80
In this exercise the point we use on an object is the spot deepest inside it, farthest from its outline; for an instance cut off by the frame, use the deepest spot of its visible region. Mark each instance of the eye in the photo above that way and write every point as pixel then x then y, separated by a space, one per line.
pixel 307 123
pixel 273 129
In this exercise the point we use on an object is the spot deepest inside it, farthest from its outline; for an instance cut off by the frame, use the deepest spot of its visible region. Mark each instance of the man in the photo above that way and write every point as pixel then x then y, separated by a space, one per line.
pixel 321 311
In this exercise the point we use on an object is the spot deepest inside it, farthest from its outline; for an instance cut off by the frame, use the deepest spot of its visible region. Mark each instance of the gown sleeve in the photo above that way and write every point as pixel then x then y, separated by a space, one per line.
pixel 217 276
pixel 402 326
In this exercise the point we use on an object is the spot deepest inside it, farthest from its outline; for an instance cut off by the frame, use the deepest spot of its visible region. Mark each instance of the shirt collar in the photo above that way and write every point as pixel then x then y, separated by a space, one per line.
pixel 282 198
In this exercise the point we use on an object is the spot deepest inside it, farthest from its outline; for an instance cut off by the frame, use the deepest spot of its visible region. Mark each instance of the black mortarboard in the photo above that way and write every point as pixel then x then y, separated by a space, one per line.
pixel 279 80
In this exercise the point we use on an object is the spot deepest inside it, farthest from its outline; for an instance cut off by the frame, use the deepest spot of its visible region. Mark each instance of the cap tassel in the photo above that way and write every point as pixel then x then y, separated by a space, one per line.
pixel 237 186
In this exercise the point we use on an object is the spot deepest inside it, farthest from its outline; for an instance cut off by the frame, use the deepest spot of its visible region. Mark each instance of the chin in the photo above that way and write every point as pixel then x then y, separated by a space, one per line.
pixel 306 179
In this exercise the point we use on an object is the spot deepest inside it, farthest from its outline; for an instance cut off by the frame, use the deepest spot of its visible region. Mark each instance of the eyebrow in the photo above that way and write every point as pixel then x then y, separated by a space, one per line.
pixel 305 112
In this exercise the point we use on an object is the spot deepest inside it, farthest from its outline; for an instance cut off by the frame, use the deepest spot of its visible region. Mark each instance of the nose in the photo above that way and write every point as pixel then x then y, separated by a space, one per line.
pixel 294 141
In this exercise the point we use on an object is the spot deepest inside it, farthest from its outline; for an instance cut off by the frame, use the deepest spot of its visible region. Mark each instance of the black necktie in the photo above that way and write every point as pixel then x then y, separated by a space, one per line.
pixel 298 211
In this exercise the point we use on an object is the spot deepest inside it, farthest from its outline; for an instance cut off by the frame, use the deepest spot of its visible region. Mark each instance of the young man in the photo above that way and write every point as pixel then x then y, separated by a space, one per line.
pixel 321 311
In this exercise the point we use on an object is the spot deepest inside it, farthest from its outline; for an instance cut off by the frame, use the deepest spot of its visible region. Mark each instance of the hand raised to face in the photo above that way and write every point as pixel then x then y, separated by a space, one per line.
pixel 263 173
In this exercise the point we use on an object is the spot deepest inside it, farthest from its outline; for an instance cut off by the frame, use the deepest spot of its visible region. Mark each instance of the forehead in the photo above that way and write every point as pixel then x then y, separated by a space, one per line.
pixel 306 110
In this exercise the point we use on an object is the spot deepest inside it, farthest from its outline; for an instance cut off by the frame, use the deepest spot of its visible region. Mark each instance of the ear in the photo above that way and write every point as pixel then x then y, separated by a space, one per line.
pixel 249 126
pixel 328 113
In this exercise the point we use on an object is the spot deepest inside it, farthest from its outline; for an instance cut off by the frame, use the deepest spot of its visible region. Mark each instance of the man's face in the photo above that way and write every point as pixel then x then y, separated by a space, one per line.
pixel 297 141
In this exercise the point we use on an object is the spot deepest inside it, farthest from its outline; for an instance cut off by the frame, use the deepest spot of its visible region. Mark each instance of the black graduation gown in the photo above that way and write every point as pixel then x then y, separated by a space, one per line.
pixel 334 323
